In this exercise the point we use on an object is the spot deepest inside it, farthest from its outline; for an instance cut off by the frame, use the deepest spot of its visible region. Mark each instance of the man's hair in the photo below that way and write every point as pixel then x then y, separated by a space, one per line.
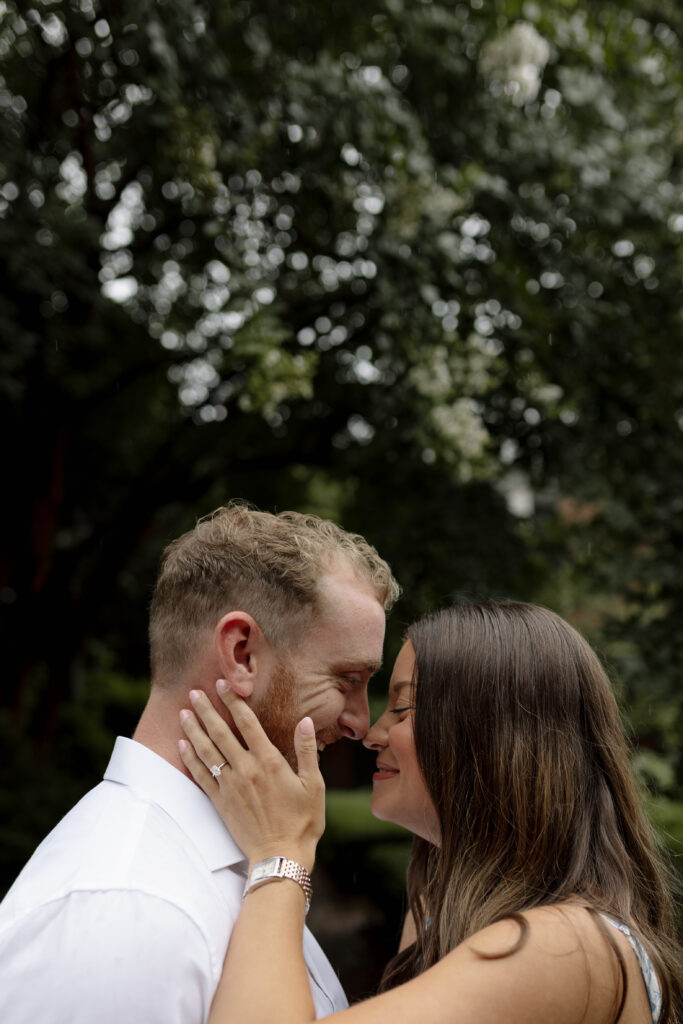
pixel 267 565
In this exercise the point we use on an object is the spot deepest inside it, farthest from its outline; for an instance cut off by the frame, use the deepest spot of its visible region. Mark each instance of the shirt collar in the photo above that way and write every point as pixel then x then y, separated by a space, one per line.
pixel 157 781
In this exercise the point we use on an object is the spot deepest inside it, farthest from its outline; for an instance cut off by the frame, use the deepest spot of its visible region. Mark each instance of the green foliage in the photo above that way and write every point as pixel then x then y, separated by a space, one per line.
pixel 377 848
pixel 348 817
pixel 667 816
pixel 39 783
pixel 416 266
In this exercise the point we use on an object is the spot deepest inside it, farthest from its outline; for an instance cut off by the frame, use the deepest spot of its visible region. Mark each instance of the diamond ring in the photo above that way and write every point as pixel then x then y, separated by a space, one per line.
pixel 215 769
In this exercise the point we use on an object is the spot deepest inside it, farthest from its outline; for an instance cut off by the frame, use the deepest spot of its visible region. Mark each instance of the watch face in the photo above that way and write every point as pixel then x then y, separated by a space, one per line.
pixel 265 869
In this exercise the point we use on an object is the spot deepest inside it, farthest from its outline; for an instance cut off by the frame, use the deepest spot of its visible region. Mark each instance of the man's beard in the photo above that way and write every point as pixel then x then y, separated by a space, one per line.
pixel 278 711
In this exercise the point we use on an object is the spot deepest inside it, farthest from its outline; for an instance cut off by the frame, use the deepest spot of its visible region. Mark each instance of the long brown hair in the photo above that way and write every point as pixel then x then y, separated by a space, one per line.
pixel 519 739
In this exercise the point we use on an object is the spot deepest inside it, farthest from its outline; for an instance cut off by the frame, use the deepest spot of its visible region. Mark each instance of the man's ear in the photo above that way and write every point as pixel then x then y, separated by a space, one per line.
pixel 241 649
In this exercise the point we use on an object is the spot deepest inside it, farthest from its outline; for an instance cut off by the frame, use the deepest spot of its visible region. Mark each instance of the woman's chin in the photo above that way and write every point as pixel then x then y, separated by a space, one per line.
pixel 378 811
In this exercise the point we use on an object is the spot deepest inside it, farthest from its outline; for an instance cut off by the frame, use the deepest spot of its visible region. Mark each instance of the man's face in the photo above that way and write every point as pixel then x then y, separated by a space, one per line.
pixel 326 674
pixel 278 711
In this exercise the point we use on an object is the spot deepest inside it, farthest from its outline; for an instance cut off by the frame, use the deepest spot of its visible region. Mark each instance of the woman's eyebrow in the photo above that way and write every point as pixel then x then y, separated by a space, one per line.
pixel 399 685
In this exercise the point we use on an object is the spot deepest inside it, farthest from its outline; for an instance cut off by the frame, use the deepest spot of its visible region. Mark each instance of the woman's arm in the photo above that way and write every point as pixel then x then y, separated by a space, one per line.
pixel 271 812
pixel 563 973
pixel 264 975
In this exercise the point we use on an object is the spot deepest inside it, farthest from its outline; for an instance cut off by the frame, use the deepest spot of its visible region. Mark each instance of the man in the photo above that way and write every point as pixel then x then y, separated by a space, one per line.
pixel 124 912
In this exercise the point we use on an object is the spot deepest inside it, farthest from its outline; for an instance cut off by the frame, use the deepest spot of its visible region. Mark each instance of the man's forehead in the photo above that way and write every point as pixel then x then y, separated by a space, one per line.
pixel 347 643
pixel 346 602
pixel 348 628
pixel 343 582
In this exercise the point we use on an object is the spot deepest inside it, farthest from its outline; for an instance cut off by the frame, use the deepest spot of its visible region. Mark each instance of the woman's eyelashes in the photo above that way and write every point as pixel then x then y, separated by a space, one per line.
pixel 401 710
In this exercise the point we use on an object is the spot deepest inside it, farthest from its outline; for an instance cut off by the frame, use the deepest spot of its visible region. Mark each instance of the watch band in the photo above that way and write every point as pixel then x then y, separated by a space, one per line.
pixel 274 870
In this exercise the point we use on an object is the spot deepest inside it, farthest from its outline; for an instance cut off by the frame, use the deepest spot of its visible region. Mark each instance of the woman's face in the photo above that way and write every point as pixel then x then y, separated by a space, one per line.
pixel 399 793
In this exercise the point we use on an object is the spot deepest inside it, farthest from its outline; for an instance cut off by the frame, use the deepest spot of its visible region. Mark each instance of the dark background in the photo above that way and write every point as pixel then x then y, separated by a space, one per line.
pixel 412 266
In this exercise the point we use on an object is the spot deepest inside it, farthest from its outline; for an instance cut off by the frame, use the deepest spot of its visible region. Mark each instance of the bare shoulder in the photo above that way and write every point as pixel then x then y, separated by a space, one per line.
pixel 557 963
pixel 550 964
pixel 559 930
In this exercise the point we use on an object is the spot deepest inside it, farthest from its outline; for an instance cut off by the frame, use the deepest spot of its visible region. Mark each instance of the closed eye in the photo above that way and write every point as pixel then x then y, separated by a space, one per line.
pixel 399 711
pixel 349 681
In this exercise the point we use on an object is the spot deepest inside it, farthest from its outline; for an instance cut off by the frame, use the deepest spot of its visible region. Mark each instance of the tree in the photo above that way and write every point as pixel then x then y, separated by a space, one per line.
pixel 390 264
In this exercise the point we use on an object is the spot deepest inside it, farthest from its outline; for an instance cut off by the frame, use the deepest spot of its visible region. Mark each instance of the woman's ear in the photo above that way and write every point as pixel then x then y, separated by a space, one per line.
pixel 240 649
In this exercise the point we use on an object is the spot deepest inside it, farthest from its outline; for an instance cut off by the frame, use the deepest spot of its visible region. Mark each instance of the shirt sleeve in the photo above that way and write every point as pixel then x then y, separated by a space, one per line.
pixel 113 957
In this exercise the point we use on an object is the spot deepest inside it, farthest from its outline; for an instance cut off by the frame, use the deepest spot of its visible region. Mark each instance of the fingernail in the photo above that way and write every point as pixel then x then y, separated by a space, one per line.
pixel 306 727
pixel 184 715
pixel 194 696
pixel 222 686
pixel 182 746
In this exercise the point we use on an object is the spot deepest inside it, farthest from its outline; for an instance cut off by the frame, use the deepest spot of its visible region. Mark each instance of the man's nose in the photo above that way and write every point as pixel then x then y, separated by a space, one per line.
pixel 355 718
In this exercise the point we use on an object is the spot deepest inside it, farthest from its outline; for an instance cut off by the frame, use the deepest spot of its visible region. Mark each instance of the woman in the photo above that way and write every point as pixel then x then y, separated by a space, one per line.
pixel 535 889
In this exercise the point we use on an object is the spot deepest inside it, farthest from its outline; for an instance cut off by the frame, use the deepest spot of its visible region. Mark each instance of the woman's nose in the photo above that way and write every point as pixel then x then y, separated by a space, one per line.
pixel 376 736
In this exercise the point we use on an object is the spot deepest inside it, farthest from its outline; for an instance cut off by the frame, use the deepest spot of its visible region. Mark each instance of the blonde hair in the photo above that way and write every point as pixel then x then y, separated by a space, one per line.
pixel 267 565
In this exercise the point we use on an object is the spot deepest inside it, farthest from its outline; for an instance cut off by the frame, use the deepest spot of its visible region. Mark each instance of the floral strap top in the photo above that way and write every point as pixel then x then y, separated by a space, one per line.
pixel 654 993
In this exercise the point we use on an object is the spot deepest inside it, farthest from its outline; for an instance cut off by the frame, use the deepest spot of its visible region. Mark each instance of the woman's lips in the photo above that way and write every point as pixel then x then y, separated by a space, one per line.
pixel 384 771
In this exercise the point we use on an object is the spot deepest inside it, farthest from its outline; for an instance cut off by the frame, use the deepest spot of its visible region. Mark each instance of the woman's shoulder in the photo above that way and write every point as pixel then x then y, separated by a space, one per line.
pixel 550 963
pixel 559 928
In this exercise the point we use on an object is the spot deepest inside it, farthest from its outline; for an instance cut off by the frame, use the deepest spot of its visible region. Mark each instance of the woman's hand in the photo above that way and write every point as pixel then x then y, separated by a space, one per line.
pixel 270 810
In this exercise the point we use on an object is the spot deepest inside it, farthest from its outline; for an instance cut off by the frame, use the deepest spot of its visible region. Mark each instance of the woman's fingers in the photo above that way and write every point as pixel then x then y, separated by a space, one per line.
pixel 266 806
pixel 218 749
pixel 306 752
pixel 204 747
pixel 245 719
pixel 199 772
pixel 213 739
pixel 219 733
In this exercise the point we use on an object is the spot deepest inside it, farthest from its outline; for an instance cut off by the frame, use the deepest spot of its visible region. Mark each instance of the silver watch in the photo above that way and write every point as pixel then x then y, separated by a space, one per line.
pixel 274 870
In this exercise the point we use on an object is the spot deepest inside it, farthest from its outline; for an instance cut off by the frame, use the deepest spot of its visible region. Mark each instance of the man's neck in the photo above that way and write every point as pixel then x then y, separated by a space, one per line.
pixel 159 726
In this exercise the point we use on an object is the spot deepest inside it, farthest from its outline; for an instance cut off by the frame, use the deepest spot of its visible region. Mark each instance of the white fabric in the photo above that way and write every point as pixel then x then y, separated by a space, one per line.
pixel 124 912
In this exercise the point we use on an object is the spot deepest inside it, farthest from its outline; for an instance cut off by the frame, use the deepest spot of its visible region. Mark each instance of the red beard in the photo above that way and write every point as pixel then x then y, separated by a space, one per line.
pixel 279 712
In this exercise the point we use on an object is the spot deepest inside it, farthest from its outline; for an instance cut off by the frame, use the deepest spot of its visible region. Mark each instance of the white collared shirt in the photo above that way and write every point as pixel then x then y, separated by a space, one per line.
pixel 125 910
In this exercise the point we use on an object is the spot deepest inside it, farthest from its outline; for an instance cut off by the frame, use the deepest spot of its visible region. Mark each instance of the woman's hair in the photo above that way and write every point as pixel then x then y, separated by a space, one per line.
pixel 519 740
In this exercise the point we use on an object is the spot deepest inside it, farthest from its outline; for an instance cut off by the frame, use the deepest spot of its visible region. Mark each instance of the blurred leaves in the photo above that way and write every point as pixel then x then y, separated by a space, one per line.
pixel 415 266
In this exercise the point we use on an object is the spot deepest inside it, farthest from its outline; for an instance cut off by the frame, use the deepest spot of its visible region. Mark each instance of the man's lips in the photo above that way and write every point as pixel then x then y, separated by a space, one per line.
pixel 384 771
